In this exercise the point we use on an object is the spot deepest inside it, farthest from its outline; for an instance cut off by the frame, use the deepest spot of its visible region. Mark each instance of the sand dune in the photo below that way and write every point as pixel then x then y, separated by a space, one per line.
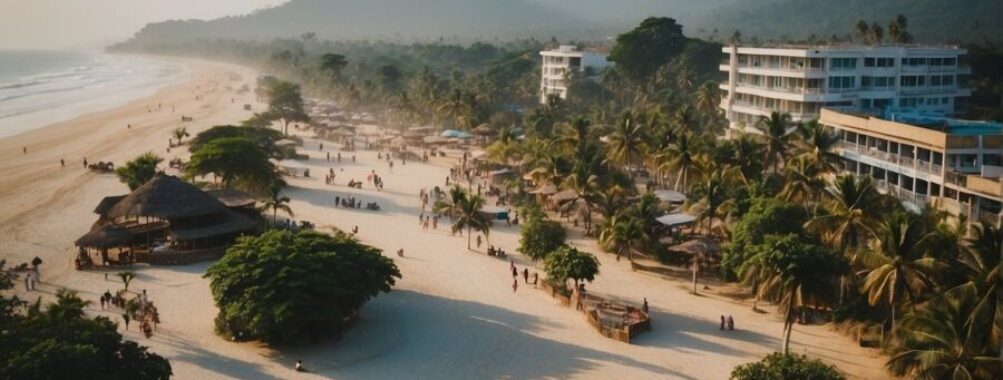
pixel 453 315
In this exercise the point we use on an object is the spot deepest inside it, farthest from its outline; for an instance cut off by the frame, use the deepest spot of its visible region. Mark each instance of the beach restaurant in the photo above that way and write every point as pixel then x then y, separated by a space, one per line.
pixel 165 221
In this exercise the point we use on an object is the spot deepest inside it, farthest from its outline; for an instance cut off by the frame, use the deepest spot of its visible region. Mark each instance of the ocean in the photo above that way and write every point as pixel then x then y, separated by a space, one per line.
pixel 38 88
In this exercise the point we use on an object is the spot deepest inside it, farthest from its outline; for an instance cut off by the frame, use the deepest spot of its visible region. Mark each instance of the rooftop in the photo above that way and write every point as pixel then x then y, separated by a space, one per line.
pixel 951 126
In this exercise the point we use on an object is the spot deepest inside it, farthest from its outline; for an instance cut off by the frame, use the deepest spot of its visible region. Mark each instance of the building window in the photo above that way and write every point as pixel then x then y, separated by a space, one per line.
pixel 868 62
pixel 844 63
pixel 950 61
pixel 842 82
pixel 886 62
pixel 912 81
pixel 948 80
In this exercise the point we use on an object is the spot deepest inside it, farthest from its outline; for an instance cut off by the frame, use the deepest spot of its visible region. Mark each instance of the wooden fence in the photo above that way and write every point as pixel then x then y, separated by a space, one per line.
pixel 627 322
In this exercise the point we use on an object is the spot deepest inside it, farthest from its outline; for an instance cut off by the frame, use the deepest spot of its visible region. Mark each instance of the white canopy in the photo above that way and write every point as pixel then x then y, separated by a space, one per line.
pixel 291 164
pixel 676 219
pixel 670 196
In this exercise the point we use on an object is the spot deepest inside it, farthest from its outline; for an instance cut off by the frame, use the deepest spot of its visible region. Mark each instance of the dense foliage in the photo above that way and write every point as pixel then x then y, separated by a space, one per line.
pixel 284 287
pixel 57 341
pixel 778 366
pixel 540 236
pixel 569 263
pixel 236 162
pixel 139 171
pixel 766 216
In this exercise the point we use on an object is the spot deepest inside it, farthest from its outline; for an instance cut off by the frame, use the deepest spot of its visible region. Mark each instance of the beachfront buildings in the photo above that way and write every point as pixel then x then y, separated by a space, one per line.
pixel 800 81
pixel 561 63
pixel 954 165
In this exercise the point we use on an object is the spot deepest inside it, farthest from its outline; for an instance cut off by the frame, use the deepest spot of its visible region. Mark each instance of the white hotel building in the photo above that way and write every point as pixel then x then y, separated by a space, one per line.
pixel 801 81
pixel 559 63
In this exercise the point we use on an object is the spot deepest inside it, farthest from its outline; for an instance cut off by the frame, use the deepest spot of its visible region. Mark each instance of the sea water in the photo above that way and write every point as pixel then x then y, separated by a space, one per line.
pixel 38 88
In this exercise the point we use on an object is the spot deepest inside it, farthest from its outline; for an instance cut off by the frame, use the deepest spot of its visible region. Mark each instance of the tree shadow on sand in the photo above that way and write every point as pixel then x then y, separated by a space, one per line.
pixel 412 335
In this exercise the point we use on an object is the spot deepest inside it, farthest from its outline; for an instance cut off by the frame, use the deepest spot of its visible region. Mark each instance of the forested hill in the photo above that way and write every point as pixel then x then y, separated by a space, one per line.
pixel 399 20
pixel 929 20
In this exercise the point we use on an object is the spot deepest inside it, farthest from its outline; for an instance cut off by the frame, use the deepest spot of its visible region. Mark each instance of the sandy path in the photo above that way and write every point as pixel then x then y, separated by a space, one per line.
pixel 454 314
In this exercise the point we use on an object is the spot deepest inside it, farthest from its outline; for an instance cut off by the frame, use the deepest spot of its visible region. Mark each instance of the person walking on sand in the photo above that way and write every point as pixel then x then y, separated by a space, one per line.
pixel 536 278
pixel 62 163
pixel 85 162
pixel 515 285
pixel 644 306
pixel 731 323
pixel 515 273
pixel 478 241
pixel 525 275
pixel 511 265
pixel 400 252
pixel 102 301
pixel 722 322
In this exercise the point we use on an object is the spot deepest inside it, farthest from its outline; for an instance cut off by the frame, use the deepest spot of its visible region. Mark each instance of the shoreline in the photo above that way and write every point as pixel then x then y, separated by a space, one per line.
pixel 97 101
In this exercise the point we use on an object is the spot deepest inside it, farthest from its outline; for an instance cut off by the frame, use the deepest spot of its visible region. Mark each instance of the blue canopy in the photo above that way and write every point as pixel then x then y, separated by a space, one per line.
pixel 452 133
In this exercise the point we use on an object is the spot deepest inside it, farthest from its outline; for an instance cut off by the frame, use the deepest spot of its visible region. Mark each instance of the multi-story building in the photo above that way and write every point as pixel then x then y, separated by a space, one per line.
pixel 801 81
pixel 955 165
pixel 559 64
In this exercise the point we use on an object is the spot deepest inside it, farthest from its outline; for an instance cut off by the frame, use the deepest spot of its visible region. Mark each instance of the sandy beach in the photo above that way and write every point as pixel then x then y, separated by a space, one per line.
pixel 453 315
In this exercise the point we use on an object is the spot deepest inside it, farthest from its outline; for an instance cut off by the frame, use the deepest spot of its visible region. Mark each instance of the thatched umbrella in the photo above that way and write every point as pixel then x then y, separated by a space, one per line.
pixel 701 248
pixel 483 130
pixel 166 197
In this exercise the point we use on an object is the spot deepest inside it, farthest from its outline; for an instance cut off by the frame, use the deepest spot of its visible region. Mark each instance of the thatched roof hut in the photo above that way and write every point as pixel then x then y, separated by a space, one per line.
pixel 104 237
pixel 166 197
pixel 107 203
pixel 703 247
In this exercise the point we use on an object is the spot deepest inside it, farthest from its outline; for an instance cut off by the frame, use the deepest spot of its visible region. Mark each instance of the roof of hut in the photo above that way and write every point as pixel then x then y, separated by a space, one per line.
pixel 233 222
pixel 166 197
pixel 107 203
pixel 233 198
pixel 103 237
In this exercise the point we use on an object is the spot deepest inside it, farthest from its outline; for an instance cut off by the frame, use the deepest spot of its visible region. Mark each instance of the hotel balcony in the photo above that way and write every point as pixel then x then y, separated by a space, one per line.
pixel 922 166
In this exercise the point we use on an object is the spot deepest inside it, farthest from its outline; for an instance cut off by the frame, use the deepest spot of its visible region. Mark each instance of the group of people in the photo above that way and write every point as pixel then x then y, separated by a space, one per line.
pixel 525 276
pixel 32 276
pixel 427 221
pixel 376 180
pixel 727 323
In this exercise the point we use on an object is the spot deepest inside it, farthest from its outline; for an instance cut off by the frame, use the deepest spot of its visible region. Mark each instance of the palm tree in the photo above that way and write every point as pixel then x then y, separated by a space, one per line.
pixel 622 233
pixel 681 157
pixel 897 269
pixel 818 141
pixel 451 205
pixel 747 154
pixel 709 98
pixel 711 195
pixel 804 181
pixel 938 343
pixel 852 208
pixel 625 142
pixel 982 258
pixel 776 134
pixel 276 202
pixel 180 133
pixel 794 274
pixel 126 278
pixel 470 217
pixel 584 184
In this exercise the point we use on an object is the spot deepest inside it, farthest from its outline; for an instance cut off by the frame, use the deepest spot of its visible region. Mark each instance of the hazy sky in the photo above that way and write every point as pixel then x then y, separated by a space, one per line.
pixel 45 24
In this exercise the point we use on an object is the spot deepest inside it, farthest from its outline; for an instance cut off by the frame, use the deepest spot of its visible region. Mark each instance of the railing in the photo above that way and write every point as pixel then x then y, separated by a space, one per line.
pixel 788 90
pixel 904 161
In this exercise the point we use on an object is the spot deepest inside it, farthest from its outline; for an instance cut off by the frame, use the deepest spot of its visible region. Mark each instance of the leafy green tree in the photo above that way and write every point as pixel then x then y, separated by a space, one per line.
pixel 936 341
pixel 984 263
pixel 236 161
pixel 569 263
pixel 139 171
pixel 282 287
pixel 276 202
pixel 540 236
pixel 263 137
pixel 766 216
pixel 60 342
pixel 778 366
pixel 795 274
pixel 640 52
pixel 285 103
pixel 333 64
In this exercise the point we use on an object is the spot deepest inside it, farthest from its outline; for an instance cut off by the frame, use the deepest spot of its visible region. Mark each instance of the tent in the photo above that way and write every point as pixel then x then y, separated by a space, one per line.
pixel 670 196
pixel 676 219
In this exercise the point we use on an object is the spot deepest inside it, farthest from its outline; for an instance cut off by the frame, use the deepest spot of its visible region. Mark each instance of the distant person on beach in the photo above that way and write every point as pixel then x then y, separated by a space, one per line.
pixel 722 322
pixel 515 273
pixel 24 149
pixel 62 163
pixel 731 323
pixel 515 285
pixel 85 162
pixel 525 275
pixel 644 306
pixel 478 241
pixel 299 366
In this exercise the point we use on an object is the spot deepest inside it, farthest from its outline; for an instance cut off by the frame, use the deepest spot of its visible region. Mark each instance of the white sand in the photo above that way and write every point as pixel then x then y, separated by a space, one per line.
pixel 453 315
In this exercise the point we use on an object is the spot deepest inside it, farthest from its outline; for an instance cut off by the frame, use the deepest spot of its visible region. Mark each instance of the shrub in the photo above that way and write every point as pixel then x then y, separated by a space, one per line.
pixel 777 366
pixel 539 237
